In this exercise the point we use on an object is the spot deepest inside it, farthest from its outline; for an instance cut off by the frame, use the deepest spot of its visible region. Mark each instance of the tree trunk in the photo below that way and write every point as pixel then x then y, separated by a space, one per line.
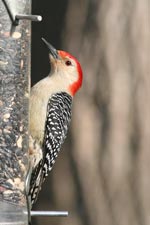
pixel 106 161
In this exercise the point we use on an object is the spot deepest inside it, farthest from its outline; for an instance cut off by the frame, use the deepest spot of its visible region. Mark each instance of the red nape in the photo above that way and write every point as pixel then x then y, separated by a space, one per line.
pixel 76 85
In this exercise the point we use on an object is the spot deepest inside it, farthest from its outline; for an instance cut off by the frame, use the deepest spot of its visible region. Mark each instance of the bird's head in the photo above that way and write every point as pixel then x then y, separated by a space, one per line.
pixel 66 67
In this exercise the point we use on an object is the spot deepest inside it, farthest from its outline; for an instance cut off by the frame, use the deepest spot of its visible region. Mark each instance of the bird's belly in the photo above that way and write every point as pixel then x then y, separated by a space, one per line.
pixel 37 120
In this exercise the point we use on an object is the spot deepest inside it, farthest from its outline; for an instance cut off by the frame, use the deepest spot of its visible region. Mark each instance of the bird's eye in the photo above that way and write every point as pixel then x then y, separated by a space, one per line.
pixel 68 63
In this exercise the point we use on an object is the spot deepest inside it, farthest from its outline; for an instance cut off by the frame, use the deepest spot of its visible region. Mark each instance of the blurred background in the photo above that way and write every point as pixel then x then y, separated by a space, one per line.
pixel 102 176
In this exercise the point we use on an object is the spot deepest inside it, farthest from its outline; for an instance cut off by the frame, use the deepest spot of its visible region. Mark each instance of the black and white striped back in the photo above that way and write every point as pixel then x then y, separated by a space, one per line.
pixel 57 122
pixel 56 126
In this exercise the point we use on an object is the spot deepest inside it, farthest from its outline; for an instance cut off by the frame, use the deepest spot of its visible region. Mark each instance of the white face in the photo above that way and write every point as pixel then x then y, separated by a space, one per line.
pixel 66 68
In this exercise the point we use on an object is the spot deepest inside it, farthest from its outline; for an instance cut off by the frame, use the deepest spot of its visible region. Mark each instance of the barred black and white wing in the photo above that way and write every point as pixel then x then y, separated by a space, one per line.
pixel 56 127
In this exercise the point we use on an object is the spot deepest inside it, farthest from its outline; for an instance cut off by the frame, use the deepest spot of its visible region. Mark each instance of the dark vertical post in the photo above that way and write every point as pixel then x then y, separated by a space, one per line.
pixel 14 103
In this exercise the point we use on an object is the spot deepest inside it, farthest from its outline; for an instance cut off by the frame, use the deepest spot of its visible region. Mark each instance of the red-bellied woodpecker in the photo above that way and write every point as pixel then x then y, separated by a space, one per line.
pixel 50 114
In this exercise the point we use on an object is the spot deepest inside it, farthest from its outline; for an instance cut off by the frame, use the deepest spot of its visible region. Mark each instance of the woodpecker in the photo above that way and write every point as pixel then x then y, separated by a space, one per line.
pixel 50 114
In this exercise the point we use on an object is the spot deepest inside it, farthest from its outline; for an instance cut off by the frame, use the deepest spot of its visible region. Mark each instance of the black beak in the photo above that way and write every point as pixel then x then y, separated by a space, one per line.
pixel 52 50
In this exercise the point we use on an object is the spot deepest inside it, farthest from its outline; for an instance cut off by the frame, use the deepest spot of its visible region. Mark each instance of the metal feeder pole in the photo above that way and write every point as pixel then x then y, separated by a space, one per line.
pixel 14 102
